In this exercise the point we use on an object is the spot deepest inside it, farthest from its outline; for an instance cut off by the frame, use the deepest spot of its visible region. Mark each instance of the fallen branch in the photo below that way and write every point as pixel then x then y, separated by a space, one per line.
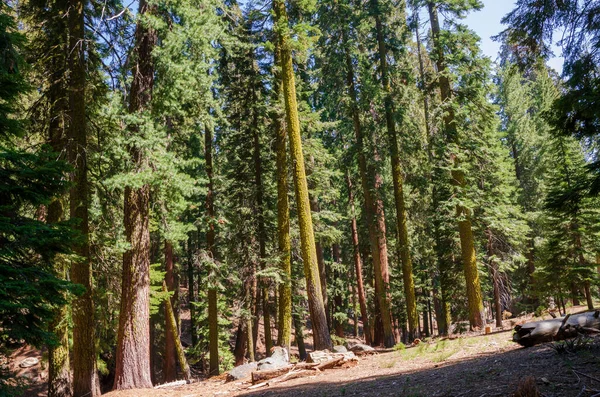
pixel 174 384
pixel 586 375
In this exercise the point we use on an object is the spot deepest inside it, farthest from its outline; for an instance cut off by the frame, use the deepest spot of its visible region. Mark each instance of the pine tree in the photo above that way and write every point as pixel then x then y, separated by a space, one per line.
pixel 463 215
pixel 322 339
pixel 31 291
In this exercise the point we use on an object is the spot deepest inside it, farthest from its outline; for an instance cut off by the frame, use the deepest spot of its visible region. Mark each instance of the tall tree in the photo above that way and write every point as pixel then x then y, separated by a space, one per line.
pixel 321 337
pixel 397 177
pixel 133 343
pixel 85 377
pixel 463 214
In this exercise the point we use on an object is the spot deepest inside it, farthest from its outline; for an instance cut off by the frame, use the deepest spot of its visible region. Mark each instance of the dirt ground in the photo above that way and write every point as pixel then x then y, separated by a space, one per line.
pixel 478 366
pixel 472 365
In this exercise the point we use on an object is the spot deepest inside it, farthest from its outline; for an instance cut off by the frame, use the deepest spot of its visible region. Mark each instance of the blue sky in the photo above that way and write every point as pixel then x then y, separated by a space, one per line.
pixel 486 23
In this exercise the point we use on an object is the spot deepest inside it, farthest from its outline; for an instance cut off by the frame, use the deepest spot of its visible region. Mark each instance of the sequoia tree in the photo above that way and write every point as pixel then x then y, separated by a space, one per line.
pixel 133 343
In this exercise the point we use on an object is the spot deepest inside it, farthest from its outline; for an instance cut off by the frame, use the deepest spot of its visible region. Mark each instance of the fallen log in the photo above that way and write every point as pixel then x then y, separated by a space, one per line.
pixel 320 356
pixel 260 376
pixel 329 364
pixel 570 326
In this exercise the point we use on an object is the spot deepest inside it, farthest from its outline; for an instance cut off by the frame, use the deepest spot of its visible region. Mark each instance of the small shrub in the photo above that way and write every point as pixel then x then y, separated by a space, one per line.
pixel 539 312
pixel 527 388
pixel 337 341
pixel 441 345
pixel 387 364
pixel 399 346
pixel 572 345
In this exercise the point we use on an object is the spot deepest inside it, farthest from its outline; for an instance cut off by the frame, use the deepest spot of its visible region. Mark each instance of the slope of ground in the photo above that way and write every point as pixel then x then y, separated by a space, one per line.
pixel 480 366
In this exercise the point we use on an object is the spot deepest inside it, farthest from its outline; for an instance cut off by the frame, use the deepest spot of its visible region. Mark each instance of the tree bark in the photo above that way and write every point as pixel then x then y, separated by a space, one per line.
pixel 192 287
pixel 397 177
pixel 170 359
pixel 133 340
pixel 59 370
pixel 171 325
pixel 284 335
pixel 299 333
pixel 358 263
pixel 321 337
pixel 213 315
pixel 495 279
pixel 533 333
pixel 262 237
pixel 314 207
pixel 85 377
pixel 469 258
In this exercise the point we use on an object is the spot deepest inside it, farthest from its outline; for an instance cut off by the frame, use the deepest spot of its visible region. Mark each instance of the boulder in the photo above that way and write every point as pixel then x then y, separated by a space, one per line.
pixel 359 347
pixel 279 359
pixel 339 349
pixel 241 371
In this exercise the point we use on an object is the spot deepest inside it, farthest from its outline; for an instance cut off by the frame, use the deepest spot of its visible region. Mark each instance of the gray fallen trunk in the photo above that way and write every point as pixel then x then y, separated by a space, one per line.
pixel 536 332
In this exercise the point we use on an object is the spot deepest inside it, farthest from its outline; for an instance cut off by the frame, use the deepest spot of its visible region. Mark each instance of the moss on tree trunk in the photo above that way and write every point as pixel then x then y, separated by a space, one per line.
pixel 321 337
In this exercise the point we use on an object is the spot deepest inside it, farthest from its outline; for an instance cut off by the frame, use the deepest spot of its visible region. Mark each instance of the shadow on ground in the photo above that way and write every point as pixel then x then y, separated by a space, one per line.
pixel 491 374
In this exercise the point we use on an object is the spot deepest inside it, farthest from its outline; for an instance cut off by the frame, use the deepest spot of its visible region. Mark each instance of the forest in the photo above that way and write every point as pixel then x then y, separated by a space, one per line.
pixel 187 184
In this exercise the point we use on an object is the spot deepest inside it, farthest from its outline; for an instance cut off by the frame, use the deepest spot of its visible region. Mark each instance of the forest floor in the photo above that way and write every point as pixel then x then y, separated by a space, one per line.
pixel 469 365
pixel 486 365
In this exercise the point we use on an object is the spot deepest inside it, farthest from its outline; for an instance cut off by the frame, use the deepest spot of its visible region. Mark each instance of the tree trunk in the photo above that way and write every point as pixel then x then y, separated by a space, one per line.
pixel 170 359
pixel 440 300
pixel 533 333
pixel 469 258
pixel 262 237
pixel 213 315
pixel 374 212
pixel 284 335
pixel 59 370
pixel 575 294
pixel 321 337
pixel 299 333
pixel 401 221
pixel 174 335
pixel 239 350
pixel 85 377
pixel 133 341
pixel 598 267
pixel 588 295
pixel 358 263
pixel 495 279
pixel 192 287
pixel 314 207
